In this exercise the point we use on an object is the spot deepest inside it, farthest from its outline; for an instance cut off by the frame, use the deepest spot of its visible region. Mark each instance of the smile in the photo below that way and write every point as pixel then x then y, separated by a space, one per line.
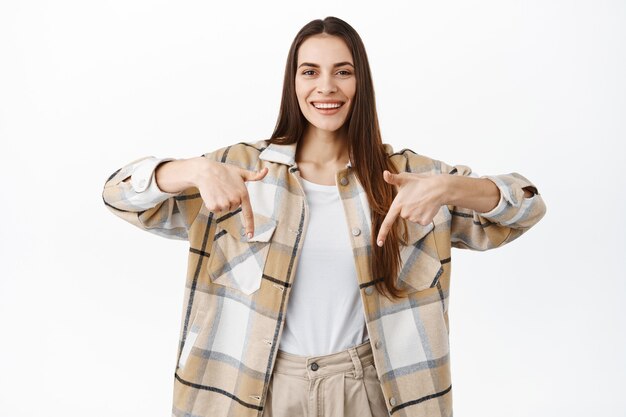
pixel 334 105
pixel 328 108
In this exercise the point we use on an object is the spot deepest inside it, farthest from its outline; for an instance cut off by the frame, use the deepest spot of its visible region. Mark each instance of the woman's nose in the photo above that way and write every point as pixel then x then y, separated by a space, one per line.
pixel 327 84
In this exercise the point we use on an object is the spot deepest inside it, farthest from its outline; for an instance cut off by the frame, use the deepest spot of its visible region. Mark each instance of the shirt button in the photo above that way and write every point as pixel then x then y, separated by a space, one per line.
pixel 392 401
pixel 378 344
pixel 314 366
pixel 343 181
pixel 142 183
pixel 356 231
pixel 369 290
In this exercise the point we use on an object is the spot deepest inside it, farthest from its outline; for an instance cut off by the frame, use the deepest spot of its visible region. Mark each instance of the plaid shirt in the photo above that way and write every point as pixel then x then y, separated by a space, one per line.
pixel 237 290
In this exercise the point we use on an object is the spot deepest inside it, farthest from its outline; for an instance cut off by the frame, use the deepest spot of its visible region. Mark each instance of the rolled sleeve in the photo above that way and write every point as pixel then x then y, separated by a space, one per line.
pixel 145 191
pixel 142 191
pixel 513 208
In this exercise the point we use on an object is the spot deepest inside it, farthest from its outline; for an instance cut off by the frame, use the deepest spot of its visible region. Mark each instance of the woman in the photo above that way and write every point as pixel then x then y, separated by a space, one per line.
pixel 319 260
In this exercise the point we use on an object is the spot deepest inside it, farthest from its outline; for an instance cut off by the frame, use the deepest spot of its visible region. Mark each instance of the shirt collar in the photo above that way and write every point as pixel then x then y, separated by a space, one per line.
pixel 286 153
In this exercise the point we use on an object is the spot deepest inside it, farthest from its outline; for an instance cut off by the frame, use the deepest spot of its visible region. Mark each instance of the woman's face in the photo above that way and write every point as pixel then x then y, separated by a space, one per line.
pixel 325 77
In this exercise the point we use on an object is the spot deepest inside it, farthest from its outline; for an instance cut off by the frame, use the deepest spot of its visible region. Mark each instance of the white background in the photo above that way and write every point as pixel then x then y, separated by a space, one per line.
pixel 90 306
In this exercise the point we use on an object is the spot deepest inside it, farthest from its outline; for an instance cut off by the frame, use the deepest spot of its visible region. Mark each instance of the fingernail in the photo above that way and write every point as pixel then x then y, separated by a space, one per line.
pixel 249 235
pixel 380 243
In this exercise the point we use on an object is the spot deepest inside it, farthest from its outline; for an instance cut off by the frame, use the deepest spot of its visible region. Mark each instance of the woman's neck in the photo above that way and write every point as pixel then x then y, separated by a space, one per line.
pixel 322 147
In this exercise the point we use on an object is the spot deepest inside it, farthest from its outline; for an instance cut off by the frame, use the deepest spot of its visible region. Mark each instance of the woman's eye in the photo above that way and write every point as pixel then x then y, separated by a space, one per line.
pixel 341 72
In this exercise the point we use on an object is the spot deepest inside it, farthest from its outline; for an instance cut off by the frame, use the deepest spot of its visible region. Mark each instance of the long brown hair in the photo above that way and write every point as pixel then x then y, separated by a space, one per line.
pixel 365 144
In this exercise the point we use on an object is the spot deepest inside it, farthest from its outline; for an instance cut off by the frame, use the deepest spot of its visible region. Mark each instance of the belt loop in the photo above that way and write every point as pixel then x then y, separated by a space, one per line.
pixel 358 374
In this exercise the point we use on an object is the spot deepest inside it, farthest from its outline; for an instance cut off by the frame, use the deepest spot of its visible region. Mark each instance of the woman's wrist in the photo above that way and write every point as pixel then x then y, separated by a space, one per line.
pixel 177 175
pixel 447 189
pixel 479 194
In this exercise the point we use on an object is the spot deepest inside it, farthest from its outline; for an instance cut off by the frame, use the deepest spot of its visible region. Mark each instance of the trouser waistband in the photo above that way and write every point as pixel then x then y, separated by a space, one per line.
pixel 311 367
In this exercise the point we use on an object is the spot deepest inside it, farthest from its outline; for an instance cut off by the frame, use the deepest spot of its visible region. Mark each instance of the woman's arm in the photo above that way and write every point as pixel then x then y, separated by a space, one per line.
pixel 478 220
pixel 164 196
pixel 176 176
pixel 483 212
pixel 165 205
pixel 478 194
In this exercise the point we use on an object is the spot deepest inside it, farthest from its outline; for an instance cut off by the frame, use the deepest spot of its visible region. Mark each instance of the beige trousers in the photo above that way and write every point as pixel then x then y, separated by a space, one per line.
pixel 341 384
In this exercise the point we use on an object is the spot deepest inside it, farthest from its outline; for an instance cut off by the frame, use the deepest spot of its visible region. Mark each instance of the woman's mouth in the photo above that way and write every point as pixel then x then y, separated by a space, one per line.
pixel 327 108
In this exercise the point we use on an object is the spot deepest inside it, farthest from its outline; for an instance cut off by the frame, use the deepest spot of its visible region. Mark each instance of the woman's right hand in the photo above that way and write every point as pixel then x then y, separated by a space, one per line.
pixel 221 186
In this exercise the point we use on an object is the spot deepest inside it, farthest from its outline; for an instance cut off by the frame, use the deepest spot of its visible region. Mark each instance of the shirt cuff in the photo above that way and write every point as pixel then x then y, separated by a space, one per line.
pixel 143 182
pixel 511 198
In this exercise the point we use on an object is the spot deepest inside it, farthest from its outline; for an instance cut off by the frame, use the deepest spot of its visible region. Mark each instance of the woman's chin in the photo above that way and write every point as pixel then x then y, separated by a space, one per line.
pixel 328 127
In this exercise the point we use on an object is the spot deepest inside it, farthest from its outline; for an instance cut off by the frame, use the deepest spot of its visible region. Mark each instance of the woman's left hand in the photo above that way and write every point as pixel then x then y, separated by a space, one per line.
pixel 418 199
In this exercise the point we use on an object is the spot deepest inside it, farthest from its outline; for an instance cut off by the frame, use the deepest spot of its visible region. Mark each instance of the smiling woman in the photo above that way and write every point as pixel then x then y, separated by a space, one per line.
pixel 319 258
pixel 325 87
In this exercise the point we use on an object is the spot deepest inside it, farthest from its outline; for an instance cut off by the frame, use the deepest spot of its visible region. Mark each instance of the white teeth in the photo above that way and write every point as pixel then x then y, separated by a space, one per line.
pixel 327 105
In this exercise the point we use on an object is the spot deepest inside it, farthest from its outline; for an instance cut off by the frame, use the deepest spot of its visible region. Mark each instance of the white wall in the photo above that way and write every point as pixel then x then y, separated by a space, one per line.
pixel 90 306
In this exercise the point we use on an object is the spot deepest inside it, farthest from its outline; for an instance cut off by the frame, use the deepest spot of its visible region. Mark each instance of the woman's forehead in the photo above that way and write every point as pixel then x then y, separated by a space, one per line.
pixel 324 50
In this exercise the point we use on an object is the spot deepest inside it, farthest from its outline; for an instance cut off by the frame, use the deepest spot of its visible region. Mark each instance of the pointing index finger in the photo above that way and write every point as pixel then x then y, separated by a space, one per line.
pixel 390 218
pixel 248 215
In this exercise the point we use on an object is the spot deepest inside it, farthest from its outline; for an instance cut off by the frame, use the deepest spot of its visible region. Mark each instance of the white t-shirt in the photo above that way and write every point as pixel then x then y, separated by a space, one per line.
pixel 325 312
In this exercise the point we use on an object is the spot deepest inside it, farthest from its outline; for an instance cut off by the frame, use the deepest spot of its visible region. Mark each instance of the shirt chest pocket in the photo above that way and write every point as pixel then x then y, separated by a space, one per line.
pixel 420 266
pixel 236 261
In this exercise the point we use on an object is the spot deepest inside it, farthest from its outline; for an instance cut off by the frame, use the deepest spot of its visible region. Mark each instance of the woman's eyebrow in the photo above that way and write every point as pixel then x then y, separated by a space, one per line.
pixel 338 64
